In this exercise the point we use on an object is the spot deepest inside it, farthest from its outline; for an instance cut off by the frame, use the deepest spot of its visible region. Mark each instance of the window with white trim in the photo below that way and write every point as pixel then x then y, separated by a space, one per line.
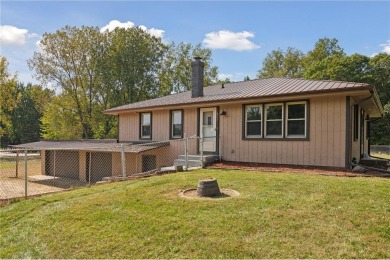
pixel 146 126
pixel 274 120
pixel 253 118
pixel 296 116
pixel 177 124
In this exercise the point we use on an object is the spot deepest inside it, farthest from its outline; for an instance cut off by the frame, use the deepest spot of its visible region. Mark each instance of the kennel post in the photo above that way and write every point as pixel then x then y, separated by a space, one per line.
pixel 25 173
pixel 17 165
pixel 123 161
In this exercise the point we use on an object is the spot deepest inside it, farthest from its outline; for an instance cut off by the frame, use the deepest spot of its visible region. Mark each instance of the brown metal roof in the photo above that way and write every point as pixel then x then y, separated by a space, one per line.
pixel 88 145
pixel 267 87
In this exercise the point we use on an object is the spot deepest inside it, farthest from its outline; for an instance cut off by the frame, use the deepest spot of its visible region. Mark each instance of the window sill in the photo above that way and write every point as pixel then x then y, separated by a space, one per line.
pixel 276 139
pixel 176 138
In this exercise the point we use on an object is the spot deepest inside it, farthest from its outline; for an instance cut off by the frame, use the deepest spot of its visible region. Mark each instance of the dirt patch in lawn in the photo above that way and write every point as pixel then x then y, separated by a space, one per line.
pixel 331 171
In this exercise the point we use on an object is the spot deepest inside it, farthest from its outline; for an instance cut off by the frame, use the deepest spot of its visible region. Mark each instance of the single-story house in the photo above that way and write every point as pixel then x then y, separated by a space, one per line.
pixel 272 120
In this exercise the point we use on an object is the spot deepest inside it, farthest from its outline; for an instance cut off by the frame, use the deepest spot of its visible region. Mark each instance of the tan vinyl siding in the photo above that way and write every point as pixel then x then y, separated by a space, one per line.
pixel 164 157
pixel 190 121
pixel 160 125
pixel 326 146
pixel 129 125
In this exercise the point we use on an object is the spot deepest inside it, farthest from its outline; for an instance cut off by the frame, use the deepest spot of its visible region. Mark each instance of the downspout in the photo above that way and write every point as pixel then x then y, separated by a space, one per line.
pixel 362 127
pixel 369 137
pixel 376 99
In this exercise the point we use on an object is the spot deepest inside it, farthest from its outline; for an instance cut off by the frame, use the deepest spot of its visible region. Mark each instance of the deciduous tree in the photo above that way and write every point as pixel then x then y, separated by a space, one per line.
pixel 175 75
pixel 7 100
pixel 278 63
pixel 67 60
pixel 327 61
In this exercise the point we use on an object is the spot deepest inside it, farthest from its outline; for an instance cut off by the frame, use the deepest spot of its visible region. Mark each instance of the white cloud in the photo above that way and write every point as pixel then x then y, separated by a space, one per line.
pixel 235 76
pixel 153 31
pixel 117 24
pixel 223 76
pixel 33 35
pixel 237 41
pixel 386 48
pixel 11 35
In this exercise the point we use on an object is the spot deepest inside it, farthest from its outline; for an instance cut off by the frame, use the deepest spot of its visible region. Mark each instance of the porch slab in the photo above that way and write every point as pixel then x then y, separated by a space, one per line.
pixel 14 188
pixel 374 162
pixel 172 168
pixel 59 182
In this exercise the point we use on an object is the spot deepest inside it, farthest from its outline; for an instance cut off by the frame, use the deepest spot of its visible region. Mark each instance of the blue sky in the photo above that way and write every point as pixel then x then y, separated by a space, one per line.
pixel 240 33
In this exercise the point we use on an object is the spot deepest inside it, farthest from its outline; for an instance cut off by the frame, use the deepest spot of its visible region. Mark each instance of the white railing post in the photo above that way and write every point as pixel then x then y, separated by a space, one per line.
pixel 186 151
pixel 123 161
pixel 201 150
pixel 25 173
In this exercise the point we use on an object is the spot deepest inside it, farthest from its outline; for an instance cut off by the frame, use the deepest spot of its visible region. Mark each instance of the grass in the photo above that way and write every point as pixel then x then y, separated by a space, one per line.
pixel 381 155
pixel 277 215
pixel 8 166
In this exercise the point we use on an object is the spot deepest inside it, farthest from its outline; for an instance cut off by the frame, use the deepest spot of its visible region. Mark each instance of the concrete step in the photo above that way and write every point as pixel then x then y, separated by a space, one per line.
pixel 375 162
pixel 191 163
pixel 207 159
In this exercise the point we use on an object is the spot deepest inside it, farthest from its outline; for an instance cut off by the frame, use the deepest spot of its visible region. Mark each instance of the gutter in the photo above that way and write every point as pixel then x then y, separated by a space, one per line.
pixel 377 102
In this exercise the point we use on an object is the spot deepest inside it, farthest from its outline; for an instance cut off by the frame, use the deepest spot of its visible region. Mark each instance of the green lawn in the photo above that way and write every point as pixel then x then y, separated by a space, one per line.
pixel 381 155
pixel 278 215
pixel 8 167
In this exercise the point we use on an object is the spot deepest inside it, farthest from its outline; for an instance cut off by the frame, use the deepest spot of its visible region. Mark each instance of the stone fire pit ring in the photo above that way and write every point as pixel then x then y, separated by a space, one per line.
pixel 208 189
pixel 193 194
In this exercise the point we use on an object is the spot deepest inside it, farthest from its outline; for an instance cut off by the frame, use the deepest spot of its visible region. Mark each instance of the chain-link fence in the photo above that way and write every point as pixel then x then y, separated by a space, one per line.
pixel 380 150
pixel 48 166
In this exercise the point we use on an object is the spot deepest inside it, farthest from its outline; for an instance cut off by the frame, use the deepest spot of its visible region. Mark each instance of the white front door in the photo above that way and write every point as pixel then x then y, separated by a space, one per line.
pixel 208 129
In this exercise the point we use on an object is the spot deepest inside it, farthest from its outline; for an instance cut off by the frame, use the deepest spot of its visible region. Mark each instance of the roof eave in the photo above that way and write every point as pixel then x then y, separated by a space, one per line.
pixel 377 101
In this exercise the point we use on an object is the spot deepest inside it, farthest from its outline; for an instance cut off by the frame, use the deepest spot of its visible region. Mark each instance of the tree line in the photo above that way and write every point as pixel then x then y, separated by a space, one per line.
pixel 86 71
pixel 93 71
